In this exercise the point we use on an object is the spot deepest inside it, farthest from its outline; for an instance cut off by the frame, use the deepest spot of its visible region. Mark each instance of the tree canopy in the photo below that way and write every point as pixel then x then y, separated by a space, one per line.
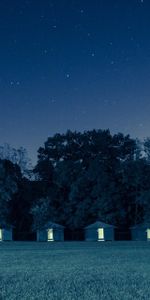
pixel 93 175
pixel 79 178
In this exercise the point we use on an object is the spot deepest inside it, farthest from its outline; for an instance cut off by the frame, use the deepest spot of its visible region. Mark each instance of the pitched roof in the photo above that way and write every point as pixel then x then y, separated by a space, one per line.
pixel 99 224
pixel 52 225
pixel 141 226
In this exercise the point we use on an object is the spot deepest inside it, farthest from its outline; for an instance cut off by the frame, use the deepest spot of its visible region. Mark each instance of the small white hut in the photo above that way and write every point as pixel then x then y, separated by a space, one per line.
pixel 99 231
pixel 51 232
pixel 5 234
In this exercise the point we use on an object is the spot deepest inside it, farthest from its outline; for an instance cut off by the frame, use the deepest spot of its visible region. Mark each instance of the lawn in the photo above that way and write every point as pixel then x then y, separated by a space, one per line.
pixel 75 270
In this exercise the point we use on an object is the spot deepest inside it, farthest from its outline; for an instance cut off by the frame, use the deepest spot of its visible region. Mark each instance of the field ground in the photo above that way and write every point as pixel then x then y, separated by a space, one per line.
pixel 74 271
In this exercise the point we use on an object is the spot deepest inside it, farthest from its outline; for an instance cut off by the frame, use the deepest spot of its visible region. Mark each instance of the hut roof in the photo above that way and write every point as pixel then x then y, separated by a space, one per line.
pixel 99 224
pixel 141 226
pixel 53 225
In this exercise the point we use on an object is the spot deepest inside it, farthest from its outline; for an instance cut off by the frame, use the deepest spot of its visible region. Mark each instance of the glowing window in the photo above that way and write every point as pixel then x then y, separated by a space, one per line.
pixel 50 236
pixel 148 234
pixel 1 236
pixel 100 234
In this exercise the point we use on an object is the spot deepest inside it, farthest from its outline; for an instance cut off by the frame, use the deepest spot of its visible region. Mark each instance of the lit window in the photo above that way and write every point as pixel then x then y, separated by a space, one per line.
pixel 100 234
pixel 148 234
pixel 1 236
pixel 50 236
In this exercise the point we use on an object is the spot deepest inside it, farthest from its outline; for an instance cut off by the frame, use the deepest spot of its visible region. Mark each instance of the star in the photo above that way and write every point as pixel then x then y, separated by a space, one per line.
pixel 44 52
pixel 141 125
pixel 53 101
pixel 14 83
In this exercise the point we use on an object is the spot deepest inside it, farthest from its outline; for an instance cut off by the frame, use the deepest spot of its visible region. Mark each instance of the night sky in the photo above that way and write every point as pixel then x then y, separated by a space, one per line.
pixel 75 65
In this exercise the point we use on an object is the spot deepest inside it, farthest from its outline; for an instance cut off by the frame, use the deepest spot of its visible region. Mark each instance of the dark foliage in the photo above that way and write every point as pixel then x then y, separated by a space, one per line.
pixel 93 175
pixel 80 178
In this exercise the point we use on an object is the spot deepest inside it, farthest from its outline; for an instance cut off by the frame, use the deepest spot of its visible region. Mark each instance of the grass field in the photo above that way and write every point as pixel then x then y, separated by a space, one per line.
pixel 75 270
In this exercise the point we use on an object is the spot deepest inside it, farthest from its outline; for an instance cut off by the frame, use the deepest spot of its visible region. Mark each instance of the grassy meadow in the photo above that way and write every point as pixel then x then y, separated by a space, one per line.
pixel 74 270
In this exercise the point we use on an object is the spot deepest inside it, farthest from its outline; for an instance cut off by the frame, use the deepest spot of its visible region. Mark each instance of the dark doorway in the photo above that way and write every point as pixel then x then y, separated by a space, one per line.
pixel 24 236
pixel 73 235
pixel 122 234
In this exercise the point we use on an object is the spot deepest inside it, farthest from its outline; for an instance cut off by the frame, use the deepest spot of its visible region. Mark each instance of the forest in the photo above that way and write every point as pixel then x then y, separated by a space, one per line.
pixel 79 178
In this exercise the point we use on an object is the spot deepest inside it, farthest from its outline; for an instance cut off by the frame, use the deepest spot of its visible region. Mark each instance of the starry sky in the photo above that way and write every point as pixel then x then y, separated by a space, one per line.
pixel 70 64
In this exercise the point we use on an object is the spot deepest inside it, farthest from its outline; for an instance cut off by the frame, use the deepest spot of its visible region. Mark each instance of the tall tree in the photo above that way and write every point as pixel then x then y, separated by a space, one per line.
pixel 82 168
pixel 9 176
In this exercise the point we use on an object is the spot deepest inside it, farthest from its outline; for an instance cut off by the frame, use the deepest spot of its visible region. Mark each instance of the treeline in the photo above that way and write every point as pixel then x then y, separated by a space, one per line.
pixel 79 178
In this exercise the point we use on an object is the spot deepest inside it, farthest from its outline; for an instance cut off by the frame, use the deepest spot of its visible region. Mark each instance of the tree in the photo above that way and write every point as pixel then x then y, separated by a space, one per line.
pixel 17 156
pixel 40 212
pixel 82 169
pixel 134 182
pixel 9 175
pixel 147 148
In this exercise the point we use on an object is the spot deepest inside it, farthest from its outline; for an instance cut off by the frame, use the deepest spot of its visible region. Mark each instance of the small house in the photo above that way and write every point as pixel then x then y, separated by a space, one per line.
pixel 140 232
pixel 5 234
pixel 51 232
pixel 99 231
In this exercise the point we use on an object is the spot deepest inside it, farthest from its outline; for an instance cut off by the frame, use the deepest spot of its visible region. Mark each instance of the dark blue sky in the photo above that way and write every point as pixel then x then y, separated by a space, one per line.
pixel 73 65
